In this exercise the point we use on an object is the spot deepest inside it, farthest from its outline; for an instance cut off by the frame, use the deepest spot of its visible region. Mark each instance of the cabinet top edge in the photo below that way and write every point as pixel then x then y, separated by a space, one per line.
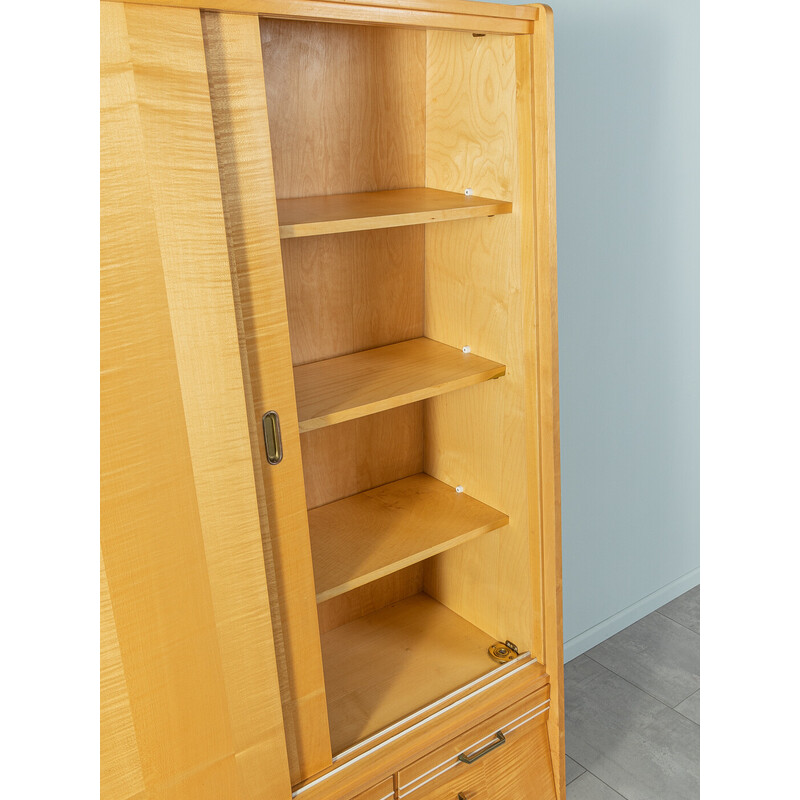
pixel 466 15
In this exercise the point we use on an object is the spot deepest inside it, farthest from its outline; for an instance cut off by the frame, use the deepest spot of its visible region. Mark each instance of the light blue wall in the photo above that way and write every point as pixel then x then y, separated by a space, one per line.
pixel 628 158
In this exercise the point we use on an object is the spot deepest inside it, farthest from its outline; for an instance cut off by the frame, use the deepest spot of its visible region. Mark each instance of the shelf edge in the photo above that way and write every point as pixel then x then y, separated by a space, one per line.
pixel 500 521
pixel 356 412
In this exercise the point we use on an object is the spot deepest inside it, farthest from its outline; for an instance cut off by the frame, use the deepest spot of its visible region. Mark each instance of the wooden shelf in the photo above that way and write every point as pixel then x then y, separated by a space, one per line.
pixel 314 216
pixel 369 381
pixel 388 664
pixel 371 534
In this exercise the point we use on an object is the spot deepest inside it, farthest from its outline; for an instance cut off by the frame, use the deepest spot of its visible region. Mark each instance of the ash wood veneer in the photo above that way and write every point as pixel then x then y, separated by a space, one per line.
pixel 383 666
pixel 447 14
pixel 314 216
pixel 285 228
pixel 411 739
pixel 182 561
pixel 381 791
pixel 347 387
pixel 516 770
pixel 364 537
pixel 241 130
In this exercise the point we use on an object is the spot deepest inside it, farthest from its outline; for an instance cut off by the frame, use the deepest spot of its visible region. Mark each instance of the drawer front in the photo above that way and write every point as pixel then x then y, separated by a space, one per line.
pixel 504 758
pixel 381 791
pixel 521 772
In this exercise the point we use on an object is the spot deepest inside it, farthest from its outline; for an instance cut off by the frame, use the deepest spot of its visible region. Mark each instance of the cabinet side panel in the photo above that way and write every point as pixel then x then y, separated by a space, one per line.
pixel 180 538
pixel 546 308
pixel 243 146
pixel 516 778
pixel 474 295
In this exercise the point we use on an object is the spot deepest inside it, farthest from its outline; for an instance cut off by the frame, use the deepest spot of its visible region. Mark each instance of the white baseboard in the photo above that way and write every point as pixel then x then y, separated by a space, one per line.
pixel 608 627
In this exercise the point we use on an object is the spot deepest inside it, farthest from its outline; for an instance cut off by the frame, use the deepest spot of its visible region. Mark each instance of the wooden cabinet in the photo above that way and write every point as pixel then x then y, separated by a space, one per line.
pixel 381 791
pixel 329 399
pixel 507 757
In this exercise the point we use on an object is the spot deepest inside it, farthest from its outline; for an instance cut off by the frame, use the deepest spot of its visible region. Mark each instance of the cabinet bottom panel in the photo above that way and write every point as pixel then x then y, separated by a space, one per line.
pixel 420 749
pixel 393 662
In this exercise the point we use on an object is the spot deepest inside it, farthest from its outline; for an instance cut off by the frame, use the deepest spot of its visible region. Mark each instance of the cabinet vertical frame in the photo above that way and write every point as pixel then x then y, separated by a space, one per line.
pixel 546 325
pixel 361 679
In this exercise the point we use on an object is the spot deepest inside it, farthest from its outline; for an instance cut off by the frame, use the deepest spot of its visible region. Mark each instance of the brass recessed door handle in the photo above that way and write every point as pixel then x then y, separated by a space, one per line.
pixel 272 437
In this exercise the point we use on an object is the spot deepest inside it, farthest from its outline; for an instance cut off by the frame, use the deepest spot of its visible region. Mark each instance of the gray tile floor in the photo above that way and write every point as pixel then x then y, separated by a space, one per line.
pixel 633 710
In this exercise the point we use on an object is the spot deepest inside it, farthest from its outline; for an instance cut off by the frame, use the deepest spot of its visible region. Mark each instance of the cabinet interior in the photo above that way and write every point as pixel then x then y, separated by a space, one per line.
pixel 414 579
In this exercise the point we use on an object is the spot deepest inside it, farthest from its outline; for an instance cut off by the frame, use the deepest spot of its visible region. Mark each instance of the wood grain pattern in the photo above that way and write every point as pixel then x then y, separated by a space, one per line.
pixel 242 136
pixel 352 102
pixel 371 597
pixel 312 10
pixel 383 666
pixel 418 719
pixel 342 291
pixel 355 385
pixel 120 765
pixel 528 292
pixel 381 791
pixel 358 769
pixel 371 534
pixel 358 96
pixel 473 295
pixel 544 158
pixel 355 104
pixel 518 770
pixel 314 216
pixel 180 536
pixel 514 722
pixel 342 460
pixel 410 15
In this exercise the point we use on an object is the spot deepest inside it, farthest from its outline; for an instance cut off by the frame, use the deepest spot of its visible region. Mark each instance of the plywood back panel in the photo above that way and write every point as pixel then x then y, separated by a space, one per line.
pixel 346 293
pixel 373 596
pixel 352 118
pixel 345 459
pixel 233 56
pixel 189 680
pixel 352 102
pixel 353 291
pixel 342 460
pixel 474 295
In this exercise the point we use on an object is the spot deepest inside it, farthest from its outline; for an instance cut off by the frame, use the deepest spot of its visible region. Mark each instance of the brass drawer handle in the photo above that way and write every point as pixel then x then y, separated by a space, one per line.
pixel 481 753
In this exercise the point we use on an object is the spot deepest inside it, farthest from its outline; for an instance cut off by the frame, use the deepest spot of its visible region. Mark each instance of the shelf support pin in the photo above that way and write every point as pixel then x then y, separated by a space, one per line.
pixel 466 349
pixel 459 489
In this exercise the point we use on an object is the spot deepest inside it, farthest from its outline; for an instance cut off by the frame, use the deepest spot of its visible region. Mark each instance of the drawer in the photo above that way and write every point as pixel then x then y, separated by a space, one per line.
pixel 381 791
pixel 507 757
